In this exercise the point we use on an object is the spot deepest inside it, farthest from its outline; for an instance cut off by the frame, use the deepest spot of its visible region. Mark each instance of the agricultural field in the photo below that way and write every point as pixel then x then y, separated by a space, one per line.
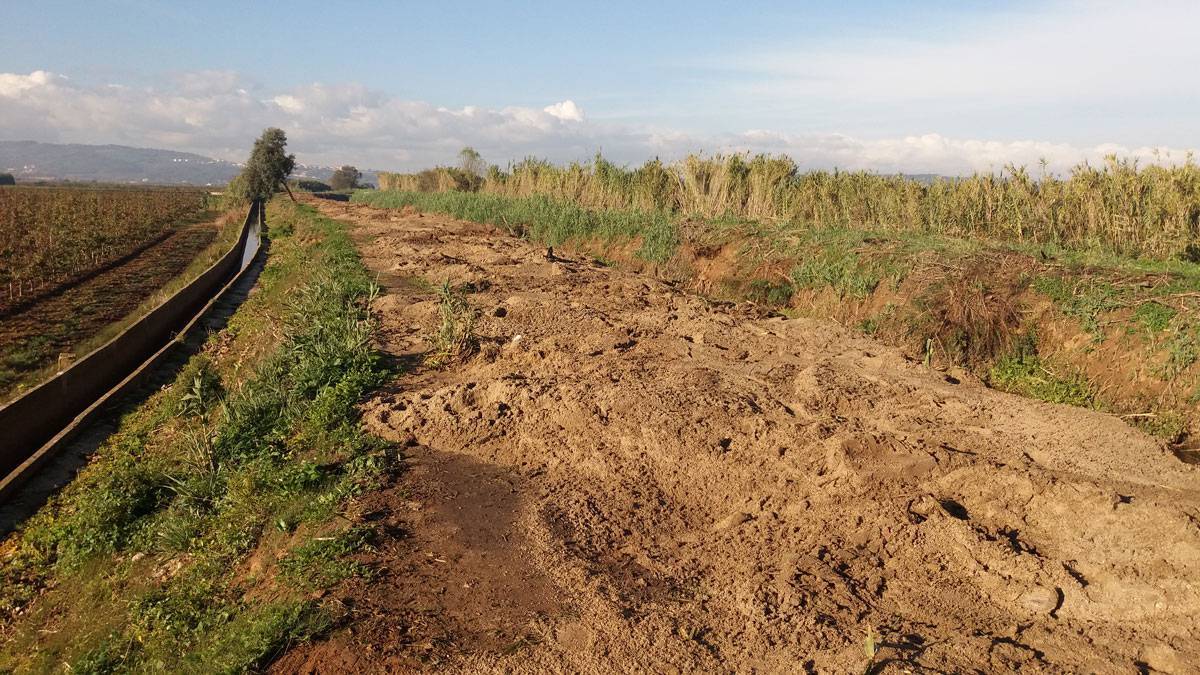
pixel 77 262
pixel 52 235
pixel 253 447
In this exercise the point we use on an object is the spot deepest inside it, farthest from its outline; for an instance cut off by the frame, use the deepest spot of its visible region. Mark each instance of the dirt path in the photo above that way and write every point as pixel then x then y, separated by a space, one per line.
pixel 34 337
pixel 629 478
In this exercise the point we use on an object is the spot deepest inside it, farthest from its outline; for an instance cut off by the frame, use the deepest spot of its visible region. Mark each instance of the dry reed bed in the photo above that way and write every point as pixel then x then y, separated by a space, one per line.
pixel 1119 207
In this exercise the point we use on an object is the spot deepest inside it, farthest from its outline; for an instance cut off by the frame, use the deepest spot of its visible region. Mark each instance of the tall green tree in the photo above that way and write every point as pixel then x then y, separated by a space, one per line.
pixel 7 179
pixel 345 178
pixel 267 168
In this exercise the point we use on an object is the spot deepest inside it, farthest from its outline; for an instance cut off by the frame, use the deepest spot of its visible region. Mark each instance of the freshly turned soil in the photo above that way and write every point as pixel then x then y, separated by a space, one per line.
pixel 624 477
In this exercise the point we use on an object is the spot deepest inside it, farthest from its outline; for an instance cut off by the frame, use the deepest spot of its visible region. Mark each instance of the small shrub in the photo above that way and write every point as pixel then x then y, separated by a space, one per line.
pixel 203 390
pixel 971 317
pixel 312 185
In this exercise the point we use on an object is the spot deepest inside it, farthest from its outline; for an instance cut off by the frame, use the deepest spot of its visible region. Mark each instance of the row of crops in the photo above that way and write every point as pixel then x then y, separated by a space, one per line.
pixel 51 235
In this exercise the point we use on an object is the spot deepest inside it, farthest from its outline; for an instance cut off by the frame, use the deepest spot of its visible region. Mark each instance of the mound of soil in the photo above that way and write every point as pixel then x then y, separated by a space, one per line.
pixel 624 476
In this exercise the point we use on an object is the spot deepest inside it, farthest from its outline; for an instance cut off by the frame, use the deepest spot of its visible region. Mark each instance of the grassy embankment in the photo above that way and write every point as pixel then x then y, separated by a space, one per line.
pixel 203 532
pixel 1083 290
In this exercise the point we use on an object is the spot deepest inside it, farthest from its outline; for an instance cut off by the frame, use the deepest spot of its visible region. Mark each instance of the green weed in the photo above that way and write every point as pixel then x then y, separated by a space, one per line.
pixel 1155 317
pixel 774 294
pixel 1084 299
pixel 1183 350
pixel 324 561
pixel 456 333
pixel 1166 425
pixel 852 262
pixel 840 270
pixel 871 325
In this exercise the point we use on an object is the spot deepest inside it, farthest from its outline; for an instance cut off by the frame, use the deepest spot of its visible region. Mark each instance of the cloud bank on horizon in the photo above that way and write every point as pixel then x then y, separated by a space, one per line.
pixel 217 113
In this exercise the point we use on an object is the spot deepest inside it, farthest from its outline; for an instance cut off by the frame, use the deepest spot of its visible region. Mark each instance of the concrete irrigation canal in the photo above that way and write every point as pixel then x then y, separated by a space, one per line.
pixel 37 425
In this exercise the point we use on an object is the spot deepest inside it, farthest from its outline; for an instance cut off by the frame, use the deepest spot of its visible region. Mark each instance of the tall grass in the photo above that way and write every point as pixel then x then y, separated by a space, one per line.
pixel 1119 207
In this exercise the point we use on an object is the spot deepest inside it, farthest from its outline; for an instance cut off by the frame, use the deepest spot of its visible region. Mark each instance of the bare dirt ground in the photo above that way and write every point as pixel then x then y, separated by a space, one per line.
pixel 629 478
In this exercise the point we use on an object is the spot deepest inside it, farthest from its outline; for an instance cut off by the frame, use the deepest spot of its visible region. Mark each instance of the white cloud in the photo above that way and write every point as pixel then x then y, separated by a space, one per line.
pixel 934 153
pixel 1083 49
pixel 289 103
pixel 566 111
pixel 13 85
pixel 215 113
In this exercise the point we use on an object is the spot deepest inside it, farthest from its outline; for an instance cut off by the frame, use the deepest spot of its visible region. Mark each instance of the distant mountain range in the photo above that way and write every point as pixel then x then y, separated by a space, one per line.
pixel 32 161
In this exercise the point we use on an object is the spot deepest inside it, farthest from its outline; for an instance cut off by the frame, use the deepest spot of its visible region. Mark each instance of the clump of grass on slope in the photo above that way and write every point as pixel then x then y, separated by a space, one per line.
pixel 139 563
pixel 832 257
pixel 1023 372
pixel 1082 298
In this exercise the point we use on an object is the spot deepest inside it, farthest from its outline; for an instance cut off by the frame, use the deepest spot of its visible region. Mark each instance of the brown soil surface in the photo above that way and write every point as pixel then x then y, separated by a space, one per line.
pixel 40 334
pixel 975 307
pixel 627 478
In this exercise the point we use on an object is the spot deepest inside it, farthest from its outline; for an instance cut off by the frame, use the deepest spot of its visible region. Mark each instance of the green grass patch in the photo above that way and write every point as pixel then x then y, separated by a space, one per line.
pixel 544 220
pixel 1153 316
pixel 875 323
pixel 1167 425
pixel 1024 373
pixel 1082 298
pixel 258 436
pixel 325 560
pixel 1182 350
pixel 841 270
pixel 855 262
pixel 774 294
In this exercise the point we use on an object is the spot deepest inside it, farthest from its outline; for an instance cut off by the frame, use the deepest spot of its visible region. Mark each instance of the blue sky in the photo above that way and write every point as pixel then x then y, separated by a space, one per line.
pixel 930 86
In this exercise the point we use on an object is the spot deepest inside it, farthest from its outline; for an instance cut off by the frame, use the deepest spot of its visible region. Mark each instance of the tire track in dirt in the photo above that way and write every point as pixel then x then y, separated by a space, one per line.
pixel 630 478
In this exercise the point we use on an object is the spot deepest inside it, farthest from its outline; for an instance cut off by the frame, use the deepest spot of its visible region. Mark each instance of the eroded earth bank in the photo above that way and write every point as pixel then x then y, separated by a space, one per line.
pixel 626 477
